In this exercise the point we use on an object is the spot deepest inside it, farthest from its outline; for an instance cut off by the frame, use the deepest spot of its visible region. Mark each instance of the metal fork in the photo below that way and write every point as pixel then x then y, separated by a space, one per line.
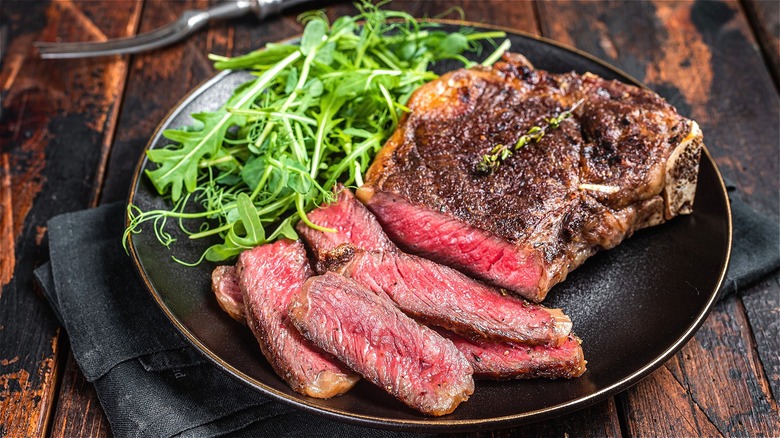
pixel 189 22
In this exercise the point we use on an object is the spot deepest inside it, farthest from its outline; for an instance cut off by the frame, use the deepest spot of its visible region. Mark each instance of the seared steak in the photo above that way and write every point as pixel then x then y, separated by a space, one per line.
pixel 505 360
pixel 624 160
pixel 224 284
pixel 269 275
pixel 368 333
pixel 421 288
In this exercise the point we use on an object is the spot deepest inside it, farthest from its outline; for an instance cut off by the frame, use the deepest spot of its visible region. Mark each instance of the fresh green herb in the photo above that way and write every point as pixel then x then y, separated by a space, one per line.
pixel 316 114
pixel 499 153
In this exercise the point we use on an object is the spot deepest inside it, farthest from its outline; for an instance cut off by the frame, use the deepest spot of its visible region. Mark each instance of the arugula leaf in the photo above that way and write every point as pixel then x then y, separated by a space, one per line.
pixel 179 165
pixel 255 233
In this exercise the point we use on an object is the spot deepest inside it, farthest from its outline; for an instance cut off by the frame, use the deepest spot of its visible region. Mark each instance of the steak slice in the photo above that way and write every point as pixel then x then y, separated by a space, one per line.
pixel 224 284
pixel 624 160
pixel 374 338
pixel 487 358
pixel 444 297
pixel 505 360
pixel 430 292
pixel 269 275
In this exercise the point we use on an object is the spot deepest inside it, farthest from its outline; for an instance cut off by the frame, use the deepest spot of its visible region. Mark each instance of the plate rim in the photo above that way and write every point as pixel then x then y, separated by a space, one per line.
pixel 429 424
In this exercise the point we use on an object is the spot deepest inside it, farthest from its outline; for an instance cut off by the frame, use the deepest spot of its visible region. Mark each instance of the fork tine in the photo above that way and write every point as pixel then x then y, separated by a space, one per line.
pixel 186 24
pixel 189 22
pixel 56 47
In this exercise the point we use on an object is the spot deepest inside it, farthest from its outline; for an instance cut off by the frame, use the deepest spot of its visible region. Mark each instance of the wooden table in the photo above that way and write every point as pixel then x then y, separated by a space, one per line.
pixel 72 131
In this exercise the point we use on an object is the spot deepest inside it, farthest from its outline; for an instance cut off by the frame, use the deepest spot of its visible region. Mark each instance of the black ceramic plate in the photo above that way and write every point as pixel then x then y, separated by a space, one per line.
pixel 633 306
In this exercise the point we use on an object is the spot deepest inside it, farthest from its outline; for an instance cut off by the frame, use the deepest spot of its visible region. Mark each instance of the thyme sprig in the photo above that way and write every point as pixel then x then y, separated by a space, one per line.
pixel 500 152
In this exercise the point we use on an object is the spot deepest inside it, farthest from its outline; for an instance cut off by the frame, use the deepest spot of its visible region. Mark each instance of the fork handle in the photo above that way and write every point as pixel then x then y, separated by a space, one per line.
pixel 226 10
pixel 237 8
pixel 264 8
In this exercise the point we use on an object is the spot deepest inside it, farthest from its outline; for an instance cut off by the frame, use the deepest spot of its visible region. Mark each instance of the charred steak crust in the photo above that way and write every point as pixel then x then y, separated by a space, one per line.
pixel 269 275
pixel 374 338
pixel 625 160
pixel 425 290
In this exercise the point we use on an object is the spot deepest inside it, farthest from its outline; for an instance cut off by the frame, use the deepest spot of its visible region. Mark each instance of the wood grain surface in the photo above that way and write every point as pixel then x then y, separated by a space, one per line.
pixel 78 412
pixel 72 132
pixel 57 124
pixel 764 16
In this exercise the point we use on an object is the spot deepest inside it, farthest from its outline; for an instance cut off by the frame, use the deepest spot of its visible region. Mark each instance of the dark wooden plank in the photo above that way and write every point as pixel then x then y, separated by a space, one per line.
pixel 7 253
pixel 78 409
pixel 714 386
pixel 600 420
pixel 645 418
pixel 698 55
pixel 56 118
pixel 762 303
pixel 764 16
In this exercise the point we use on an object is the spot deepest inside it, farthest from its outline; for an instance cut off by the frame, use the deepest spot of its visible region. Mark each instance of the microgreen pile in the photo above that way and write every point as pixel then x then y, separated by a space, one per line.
pixel 316 114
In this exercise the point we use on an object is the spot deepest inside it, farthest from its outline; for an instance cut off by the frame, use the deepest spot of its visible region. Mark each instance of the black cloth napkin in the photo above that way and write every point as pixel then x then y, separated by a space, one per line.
pixel 150 382
pixel 755 246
